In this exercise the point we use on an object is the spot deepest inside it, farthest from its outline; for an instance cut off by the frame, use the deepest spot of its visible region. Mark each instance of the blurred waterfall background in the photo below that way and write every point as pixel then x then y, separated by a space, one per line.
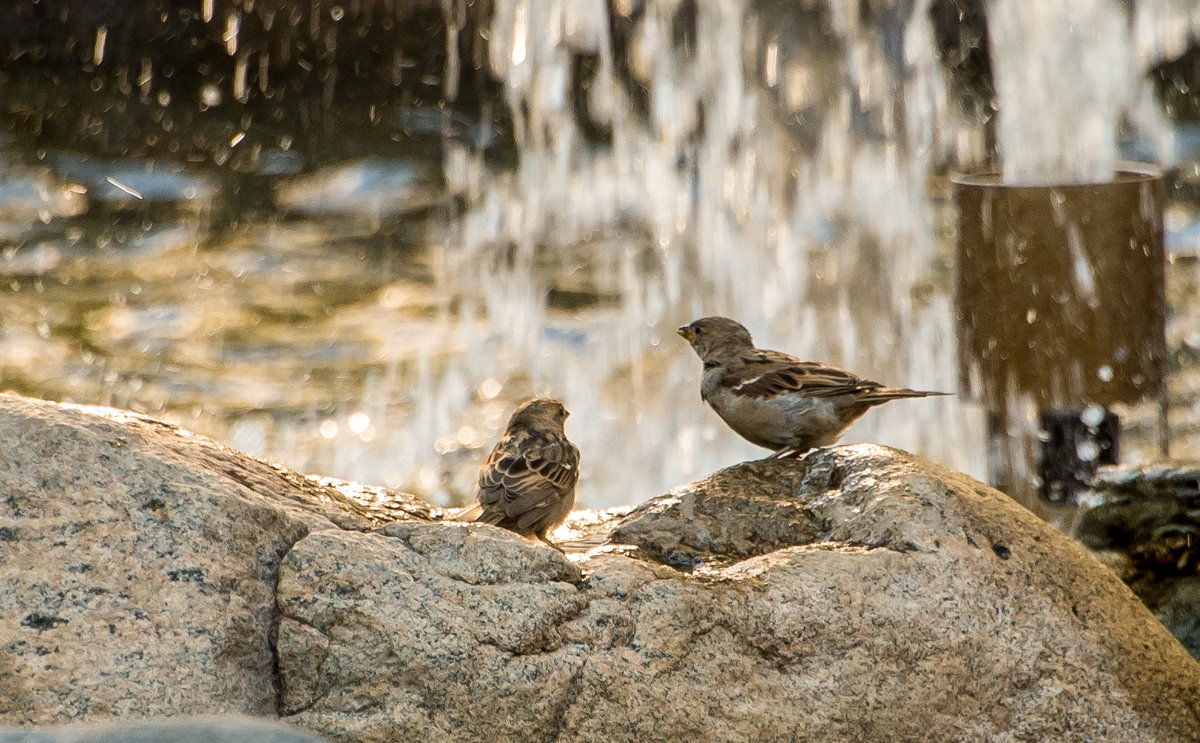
pixel 349 236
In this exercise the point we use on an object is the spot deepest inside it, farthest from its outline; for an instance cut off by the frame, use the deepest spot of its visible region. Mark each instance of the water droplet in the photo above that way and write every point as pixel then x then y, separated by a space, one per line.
pixel 1087 450
pixel 336 13
pixel 241 69
pixel 250 435
pixel 489 388
pixel 391 298
pixel 467 436
pixel 1105 373
pixel 233 26
pixel 210 95
pixel 1030 316
pixel 329 429
pixel 358 423
pixel 518 45
pixel 98 47
pixel 1093 415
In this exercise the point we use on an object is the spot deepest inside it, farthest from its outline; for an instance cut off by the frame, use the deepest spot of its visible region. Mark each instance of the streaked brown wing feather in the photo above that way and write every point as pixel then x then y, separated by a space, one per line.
pixel 768 373
pixel 520 479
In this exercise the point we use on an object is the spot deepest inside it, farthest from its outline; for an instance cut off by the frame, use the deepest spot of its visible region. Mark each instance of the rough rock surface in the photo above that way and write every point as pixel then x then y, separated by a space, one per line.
pixel 138 566
pixel 857 594
pixel 903 602
pixel 1147 528
pixel 733 514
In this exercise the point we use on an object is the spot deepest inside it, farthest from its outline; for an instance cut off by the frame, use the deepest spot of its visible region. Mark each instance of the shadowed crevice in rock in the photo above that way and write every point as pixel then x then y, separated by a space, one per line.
pixel 457 612
pixel 345 505
pixel 299 687
pixel 277 675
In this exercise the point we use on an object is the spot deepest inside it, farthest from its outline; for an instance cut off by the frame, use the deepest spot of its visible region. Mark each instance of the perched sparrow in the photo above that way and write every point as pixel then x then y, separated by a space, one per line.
pixel 527 483
pixel 775 400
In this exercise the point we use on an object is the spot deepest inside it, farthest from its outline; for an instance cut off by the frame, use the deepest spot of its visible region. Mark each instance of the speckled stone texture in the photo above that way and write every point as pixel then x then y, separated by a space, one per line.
pixel 899 602
pixel 856 594
pixel 138 566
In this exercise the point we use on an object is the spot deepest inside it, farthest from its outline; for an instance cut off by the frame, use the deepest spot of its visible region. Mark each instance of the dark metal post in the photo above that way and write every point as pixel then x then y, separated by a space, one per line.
pixel 1061 306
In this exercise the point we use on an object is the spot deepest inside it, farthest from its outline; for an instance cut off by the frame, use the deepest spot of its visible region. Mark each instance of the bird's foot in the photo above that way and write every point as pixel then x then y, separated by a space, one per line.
pixel 544 540
pixel 784 453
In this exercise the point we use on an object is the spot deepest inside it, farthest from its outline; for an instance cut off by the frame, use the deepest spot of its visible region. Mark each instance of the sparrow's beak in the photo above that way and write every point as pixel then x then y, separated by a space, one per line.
pixel 686 333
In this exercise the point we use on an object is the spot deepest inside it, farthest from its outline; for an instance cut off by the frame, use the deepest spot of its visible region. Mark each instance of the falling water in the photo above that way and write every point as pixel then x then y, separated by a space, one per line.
pixel 1064 74
pixel 774 176
pixel 779 163
pixel 703 203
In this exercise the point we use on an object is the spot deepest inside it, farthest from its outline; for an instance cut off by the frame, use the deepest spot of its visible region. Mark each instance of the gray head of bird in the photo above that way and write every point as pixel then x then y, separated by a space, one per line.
pixel 539 412
pixel 714 338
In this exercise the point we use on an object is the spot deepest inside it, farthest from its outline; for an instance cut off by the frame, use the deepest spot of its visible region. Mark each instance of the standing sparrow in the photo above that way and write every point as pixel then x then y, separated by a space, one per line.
pixel 527 483
pixel 775 400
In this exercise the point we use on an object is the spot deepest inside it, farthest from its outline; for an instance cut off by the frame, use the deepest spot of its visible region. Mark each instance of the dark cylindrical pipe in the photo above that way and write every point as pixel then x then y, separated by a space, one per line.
pixel 1061 304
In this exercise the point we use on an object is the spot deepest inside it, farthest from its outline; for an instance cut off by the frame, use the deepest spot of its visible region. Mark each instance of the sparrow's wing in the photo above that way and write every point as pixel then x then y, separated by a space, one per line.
pixel 763 373
pixel 522 478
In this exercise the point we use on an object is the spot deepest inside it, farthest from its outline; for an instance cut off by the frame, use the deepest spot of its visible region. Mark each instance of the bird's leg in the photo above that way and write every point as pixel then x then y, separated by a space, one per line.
pixel 543 538
pixel 784 453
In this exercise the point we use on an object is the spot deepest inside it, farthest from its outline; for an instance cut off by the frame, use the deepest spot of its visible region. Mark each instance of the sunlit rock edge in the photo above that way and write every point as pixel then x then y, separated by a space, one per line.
pixel 859 592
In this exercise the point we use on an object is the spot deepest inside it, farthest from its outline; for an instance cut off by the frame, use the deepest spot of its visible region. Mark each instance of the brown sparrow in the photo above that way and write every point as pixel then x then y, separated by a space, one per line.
pixel 775 400
pixel 527 483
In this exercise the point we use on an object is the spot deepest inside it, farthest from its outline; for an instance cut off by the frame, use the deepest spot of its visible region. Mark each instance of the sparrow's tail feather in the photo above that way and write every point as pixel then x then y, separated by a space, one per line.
pixel 471 514
pixel 884 394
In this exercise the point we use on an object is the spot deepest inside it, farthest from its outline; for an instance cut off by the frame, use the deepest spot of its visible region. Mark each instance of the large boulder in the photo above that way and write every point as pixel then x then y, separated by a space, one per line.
pixel 138 566
pixel 856 594
pixel 869 596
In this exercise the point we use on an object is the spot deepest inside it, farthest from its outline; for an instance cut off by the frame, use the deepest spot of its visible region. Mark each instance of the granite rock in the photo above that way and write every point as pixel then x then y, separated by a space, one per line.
pixel 899 602
pixel 1145 523
pixel 138 565
pixel 855 594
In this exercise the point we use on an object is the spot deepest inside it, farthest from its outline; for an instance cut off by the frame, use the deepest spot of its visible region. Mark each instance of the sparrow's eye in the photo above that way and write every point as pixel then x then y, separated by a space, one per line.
pixel 696 330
